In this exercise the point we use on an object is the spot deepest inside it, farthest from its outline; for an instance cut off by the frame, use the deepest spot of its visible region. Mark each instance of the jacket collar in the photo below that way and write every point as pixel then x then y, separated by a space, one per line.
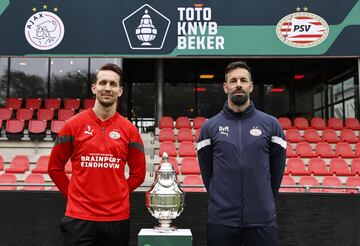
pixel 229 113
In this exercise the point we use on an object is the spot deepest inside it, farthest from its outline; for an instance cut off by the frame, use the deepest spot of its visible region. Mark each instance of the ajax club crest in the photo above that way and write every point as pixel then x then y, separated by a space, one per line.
pixel 302 30
pixel 44 30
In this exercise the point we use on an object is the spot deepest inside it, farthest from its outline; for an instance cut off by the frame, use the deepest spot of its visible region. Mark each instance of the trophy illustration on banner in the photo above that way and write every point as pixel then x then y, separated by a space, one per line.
pixel 146 31
pixel 165 200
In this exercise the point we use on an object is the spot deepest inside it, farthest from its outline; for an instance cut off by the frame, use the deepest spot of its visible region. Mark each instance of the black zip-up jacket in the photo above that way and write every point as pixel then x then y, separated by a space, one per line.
pixel 242 159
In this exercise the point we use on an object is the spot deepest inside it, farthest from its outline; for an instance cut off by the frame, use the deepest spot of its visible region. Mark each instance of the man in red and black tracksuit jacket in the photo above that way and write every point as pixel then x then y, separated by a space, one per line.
pixel 241 153
pixel 99 142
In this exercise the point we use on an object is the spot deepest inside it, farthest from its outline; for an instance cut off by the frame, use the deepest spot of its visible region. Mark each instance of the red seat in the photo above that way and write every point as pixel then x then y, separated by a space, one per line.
pixel 324 150
pixel 89 103
pixel 339 167
pixel 353 182
pixel 37 127
pixel 41 164
pixel 293 136
pixel 357 150
pixel 24 114
pixel 194 180
pixel 197 134
pixel 318 167
pixel 295 166
pixel 348 135
pixel 290 152
pixel 72 103
pixel 330 136
pixel 198 122
pixel 301 123
pixel 33 103
pixel 6 113
pixel 352 123
pixel 187 149
pixel 1 163
pixel 168 147
pixel 288 180
pixel 8 178
pixel 355 166
pixel 14 103
pixel 15 126
pixel 166 122
pixel 34 178
pixel 285 123
pixel 311 136
pixel 45 114
pixel 304 150
pixel 166 134
pixel 190 165
pixel 185 134
pixel 318 123
pixel 332 181
pixel 19 164
pixel 344 150
pixel 56 126
pixel 52 103
pixel 65 114
pixel 309 182
pixel 174 163
pixel 335 123
pixel 183 122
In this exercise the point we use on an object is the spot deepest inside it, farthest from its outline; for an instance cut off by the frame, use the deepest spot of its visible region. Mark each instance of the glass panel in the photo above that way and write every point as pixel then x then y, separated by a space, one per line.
pixel 337 92
pixel 317 100
pixel 350 108
pixel 331 113
pixel 329 91
pixel 3 80
pixel 96 63
pixel 338 110
pixel 179 100
pixel 210 99
pixel 318 113
pixel 28 77
pixel 143 101
pixel 276 102
pixel 68 77
pixel 349 88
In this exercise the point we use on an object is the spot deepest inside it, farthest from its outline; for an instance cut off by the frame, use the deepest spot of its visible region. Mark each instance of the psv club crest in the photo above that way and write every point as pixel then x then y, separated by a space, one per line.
pixel 302 30
pixel 44 30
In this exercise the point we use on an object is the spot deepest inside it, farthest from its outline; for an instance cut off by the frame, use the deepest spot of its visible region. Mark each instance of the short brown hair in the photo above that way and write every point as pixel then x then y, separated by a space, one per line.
pixel 112 67
pixel 235 65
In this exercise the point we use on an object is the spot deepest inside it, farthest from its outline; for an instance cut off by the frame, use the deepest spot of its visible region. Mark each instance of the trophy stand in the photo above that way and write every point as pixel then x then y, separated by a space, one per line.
pixel 165 201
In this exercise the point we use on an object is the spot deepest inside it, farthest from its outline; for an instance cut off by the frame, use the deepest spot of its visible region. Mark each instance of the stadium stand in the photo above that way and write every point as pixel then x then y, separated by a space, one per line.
pixel 37 129
pixel 45 114
pixel 290 151
pixel 1 163
pixel 15 129
pixel 344 150
pixel 318 167
pixel 334 182
pixel 339 167
pixel 52 103
pixel 19 164
pixel 65 114
pixel 308 182
pixel 185 134
pixel 198 122
pixel 285 123
pixel 168 147
pixel 324 150
pixel 41 164
pixel 330 136
pixel 56 126
pixel 24 114
pixel 187 149
pixel 190 165
pixel 72 103
pixel 288 180
pixel 304 150
pixel 293 136
pixel 166 134
pixel 318 123
pixel 335 123
pixel 312 136
pixel 295 166
pixel 355 166
pixel 353 182
pixel 348 135
pixel 6 113
pixel 352 123
pixel 183 122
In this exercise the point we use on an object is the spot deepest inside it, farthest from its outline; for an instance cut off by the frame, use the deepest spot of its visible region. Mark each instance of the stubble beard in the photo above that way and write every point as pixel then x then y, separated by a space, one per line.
pixel 239 100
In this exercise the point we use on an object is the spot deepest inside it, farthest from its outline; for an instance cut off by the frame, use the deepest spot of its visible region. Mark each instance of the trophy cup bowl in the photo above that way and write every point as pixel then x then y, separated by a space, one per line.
pixel 165 200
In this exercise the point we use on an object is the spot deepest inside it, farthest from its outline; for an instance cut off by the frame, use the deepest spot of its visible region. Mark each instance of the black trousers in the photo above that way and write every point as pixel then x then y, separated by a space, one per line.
pixel 219 235
pixel 79 232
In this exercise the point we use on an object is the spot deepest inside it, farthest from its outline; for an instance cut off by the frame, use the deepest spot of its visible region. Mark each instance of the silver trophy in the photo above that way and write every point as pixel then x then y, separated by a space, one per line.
pixel 165 200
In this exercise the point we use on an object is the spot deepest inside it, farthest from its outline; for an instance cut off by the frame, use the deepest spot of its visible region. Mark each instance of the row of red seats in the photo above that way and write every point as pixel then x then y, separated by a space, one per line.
pixel 188 166
pixel 25 114
pixel 323 150
pixel 310 181
pixel 302 123
pixel 49 103
pixel 328 135
pixel 186 149
pixel 318 167
pixel 21 164
pixel 181 122
pixel 35 127
pixel 184 134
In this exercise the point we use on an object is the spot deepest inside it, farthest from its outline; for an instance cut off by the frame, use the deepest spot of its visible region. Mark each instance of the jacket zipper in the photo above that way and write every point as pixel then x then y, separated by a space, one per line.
pixel 241 177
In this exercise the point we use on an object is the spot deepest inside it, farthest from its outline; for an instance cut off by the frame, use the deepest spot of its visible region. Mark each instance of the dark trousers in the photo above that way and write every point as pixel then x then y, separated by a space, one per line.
pixel 79 232
pixel 219 235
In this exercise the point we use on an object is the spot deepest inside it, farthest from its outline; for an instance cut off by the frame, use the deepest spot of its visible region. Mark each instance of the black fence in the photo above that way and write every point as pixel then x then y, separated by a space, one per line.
pixel 32 218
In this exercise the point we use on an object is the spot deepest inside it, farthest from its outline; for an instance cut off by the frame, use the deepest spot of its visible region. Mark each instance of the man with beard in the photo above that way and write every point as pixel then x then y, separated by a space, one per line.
pixel 99 142
pixel 242 155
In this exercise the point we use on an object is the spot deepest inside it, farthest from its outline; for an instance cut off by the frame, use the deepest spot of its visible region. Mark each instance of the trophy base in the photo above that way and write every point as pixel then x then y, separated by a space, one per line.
pixel 165 226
